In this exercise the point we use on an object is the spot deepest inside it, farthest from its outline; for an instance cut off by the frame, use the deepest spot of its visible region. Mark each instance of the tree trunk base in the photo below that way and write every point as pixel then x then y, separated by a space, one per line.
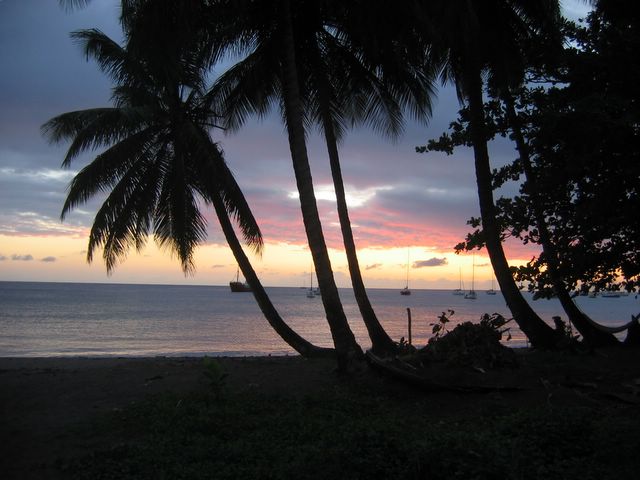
pixel 633 332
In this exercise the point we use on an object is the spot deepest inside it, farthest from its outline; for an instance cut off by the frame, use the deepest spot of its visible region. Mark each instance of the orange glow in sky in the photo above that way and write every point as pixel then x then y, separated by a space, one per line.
pixel 63 259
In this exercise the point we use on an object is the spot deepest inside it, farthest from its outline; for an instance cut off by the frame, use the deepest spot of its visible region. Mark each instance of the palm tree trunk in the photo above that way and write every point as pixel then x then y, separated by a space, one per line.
pixel 343 338
pixel 578 318
pixel 539 333
pixel 295 341
pixel 381 343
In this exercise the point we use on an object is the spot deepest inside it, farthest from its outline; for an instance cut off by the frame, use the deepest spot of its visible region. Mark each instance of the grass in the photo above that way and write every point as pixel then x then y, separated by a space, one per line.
pixel 350 432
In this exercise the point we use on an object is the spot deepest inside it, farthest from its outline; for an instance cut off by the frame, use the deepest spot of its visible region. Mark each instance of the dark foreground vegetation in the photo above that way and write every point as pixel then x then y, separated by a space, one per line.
pixel 569 416
pixel 349 433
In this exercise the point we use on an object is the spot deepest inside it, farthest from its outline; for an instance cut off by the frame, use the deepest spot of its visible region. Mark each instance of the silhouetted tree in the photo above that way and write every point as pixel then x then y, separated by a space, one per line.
pixel 267 34
pixel 160 161
pixel 485 38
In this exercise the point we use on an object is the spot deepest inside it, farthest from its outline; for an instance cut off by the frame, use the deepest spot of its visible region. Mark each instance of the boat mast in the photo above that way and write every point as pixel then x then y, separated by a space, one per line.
pixel 407 268
pixel 473 272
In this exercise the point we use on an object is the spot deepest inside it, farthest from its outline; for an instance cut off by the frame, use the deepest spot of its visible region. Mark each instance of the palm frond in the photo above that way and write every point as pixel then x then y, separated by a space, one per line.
pixel 212 177
pixel 107 169
pixel 67 125
pixel 251 87
pixel 95 129
pixel 109 55
pixel 70 5
pixel 178 223
pixel 123 220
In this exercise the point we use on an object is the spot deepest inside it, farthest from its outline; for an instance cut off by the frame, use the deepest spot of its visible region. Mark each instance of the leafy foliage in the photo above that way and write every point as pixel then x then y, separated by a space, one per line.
pixel 215 375
pixel 351 434
pixel 579 117
pixel 469 344
pixel 157 162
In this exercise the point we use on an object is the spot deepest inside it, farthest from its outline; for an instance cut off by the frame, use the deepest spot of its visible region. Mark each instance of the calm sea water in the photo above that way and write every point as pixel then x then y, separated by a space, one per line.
pixel 81 319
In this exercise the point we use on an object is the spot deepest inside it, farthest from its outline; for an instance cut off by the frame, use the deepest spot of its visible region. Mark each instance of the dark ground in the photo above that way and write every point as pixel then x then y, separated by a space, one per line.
pixel 50 407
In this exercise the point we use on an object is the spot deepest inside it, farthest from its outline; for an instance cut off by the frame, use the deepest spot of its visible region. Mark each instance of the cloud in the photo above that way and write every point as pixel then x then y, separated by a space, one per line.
pixel 218 266
pixel 373 266
pixel 23 258
pixel 48 259
pixel 432 262
pixel 2 258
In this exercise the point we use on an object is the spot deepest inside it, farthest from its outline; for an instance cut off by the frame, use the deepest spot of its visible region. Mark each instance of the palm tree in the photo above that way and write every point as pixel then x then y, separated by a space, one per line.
pixel 268 75
pixel 345 84
pixel 337 88
pixel 160 162
pixel 480 38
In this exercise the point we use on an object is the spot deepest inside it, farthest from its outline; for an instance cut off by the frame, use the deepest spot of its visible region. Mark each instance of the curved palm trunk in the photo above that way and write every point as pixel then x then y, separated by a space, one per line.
pixel 381 343
pixel 343 338
pixel 539 333
pixel 295 341
pixel 583 324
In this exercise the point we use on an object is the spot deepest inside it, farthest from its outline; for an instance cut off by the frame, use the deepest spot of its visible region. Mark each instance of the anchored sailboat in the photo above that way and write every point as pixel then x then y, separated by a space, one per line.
pixel 460 289
pixel 471 294
pixel 237 285
pixel 491 291
pixel 311 293
pixel 405 290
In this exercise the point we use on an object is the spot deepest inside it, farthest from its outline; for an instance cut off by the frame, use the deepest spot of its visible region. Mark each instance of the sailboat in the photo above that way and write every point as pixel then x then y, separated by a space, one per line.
pixel 237 285
pixel 405 290
pixel 491 291
pixel 310 293
pixel 460 289
pixel 471 294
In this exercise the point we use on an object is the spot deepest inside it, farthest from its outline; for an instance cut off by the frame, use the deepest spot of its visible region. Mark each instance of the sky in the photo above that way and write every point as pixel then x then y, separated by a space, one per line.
pixel 404 206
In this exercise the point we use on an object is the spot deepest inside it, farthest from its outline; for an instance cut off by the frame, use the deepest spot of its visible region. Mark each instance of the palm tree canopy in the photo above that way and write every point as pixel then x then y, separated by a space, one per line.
pixel 159 163
pixel 489 36
pixel 362 88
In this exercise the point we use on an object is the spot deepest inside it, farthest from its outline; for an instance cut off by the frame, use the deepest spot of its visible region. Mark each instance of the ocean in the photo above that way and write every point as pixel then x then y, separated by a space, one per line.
pixel 96 320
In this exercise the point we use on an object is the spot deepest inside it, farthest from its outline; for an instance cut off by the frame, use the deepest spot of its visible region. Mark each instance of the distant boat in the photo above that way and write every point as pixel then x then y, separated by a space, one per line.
pixel 471 294
pixel 491 291
pixel 237 285
pixel 460 289
pixel 405 290
pixel 310 292
pixel 610 294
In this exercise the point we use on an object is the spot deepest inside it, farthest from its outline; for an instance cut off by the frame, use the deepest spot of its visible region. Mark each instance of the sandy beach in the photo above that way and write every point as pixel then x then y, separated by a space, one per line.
pixel 49 406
